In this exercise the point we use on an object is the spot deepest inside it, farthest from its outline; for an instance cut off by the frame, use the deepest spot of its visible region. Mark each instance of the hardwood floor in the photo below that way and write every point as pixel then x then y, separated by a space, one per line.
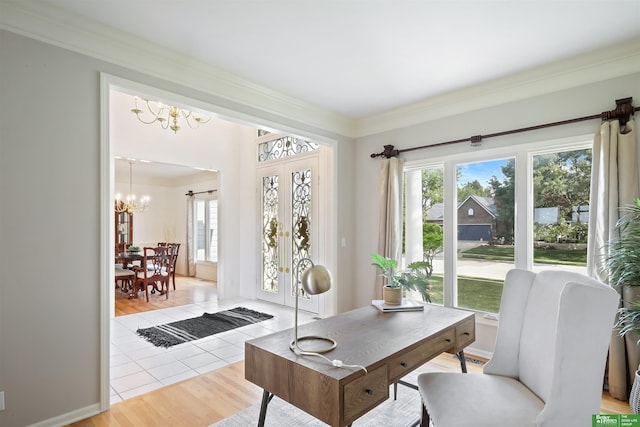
pixel 196 402
pixel 189 290
pixel 216 395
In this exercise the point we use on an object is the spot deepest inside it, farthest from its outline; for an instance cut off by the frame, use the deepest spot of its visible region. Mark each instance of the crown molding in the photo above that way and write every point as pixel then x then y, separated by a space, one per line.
pixel 616 61
pixel 40 21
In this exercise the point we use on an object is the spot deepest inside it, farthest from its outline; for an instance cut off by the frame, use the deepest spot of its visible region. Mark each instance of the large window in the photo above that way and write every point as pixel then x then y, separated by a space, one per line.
pixel 561 183
pixel 526 208
pixel 206 232
pixel 485 237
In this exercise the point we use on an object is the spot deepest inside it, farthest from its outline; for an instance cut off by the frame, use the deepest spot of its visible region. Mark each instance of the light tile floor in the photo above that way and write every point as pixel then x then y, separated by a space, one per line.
pixel 138 366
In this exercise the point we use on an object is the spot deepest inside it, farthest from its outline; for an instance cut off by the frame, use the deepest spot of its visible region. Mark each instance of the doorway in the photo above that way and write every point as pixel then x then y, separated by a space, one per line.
pixel 235 161
pixel 289 196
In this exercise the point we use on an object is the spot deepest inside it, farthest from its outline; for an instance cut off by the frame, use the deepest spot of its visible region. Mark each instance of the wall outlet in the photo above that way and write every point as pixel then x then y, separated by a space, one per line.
pixel 1 400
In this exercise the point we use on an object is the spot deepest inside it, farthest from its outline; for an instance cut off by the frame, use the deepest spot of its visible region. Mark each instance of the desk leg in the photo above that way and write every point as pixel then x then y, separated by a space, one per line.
pixel 463 362
pixel 266 398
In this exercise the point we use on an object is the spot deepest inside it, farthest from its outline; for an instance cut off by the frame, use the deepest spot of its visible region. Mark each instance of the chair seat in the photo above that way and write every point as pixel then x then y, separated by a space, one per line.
pixel 122 273
pixel 484 400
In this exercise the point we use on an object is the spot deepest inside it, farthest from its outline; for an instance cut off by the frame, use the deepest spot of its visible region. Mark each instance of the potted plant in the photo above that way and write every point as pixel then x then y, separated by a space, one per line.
pixel 416 278
pixel 622 263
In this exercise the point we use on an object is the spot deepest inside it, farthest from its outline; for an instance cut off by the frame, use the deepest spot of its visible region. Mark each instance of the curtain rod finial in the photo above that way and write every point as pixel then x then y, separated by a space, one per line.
pixel 623 112
pixel 388 152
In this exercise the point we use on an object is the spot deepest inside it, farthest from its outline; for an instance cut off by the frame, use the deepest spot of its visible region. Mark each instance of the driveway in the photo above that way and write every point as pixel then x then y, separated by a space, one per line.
pixel 492 269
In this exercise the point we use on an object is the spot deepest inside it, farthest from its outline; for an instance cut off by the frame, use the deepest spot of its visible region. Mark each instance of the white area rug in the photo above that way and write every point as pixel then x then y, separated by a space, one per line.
pixel 391 413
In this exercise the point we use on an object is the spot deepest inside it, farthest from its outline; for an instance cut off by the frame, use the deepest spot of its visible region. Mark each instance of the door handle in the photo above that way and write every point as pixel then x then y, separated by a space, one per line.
pixel 286 261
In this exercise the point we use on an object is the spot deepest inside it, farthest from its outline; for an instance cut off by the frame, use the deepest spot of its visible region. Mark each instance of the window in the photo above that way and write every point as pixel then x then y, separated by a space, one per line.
pixel 561 185
pixel 423 232
pixel 484 235
pixel 206 230
pixel 484 239
pixel 283 147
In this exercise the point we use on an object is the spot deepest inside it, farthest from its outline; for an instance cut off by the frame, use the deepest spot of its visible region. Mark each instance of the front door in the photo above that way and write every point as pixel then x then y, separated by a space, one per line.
pixel 289 220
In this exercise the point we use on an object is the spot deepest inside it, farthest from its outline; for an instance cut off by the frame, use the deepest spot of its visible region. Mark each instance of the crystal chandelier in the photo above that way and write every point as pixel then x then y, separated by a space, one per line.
pixel 166 115
pixel 131 204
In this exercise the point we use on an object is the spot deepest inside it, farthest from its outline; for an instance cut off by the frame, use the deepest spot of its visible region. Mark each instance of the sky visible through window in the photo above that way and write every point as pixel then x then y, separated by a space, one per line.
pixel 482 171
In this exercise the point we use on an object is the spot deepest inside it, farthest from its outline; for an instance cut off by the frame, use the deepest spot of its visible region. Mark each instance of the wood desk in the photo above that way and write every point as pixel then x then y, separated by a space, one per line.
pixel 389 345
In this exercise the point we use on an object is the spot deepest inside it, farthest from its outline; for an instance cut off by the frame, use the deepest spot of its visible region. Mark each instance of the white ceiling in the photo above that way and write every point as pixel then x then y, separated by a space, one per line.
pixel 148 172
pixel 363 57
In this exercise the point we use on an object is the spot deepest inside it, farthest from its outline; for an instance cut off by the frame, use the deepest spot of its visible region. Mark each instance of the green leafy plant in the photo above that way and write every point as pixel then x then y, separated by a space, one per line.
pixel 416 278
pixel 623 260
pixel 134 248
pixel 622 263
pixel 386 266
pixel 629 320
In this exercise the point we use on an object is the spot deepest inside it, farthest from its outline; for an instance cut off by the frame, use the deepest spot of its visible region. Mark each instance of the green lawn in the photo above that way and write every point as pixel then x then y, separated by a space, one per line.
pixel 484 294
pixel 473 292
pixel 542 256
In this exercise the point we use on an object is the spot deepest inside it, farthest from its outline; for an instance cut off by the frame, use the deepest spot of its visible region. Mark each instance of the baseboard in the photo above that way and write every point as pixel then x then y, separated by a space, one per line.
pixel 69 417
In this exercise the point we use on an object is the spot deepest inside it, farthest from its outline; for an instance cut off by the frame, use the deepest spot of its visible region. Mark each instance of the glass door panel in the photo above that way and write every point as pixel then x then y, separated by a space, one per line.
pixel 288 193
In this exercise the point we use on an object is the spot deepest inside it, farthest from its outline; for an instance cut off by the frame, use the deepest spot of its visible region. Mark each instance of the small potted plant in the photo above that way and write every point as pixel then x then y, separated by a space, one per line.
pixel 134 248
pixel 416 278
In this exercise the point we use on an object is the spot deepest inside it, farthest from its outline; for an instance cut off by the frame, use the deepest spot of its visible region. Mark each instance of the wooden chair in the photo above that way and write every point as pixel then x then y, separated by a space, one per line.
pixel 154 271
pixel 176 250
pixel 125 277
pixel 120 247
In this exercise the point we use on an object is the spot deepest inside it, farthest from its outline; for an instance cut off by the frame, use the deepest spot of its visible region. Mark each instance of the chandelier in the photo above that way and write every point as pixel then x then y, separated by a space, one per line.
pixel 131 204
pixel 167 115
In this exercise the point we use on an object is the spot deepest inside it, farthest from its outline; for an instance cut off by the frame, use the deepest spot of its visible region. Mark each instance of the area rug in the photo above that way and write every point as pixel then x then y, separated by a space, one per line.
pixel 182 331
pixel 391 413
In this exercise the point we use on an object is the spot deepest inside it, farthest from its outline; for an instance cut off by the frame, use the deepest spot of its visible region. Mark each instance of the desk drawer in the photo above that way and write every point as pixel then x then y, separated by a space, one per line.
pixel 365 393
pixel 403 364
pixel 465 334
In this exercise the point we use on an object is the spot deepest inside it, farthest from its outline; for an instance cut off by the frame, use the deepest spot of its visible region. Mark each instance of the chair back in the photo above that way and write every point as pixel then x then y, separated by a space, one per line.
pixel 553 336
pixel 158 261
pixel 176 250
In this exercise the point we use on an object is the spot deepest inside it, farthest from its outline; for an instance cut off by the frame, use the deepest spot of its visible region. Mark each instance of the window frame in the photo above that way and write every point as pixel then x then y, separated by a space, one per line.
pixel 524 218
pixel 207 199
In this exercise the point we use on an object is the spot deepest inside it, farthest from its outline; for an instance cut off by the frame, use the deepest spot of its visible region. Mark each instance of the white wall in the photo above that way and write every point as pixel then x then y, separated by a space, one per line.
pixel 50 160
pixel 578 102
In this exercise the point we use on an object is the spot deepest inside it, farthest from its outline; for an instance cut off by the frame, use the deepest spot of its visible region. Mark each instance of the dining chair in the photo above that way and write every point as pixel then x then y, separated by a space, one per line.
pixel 548 363
pixel 154 270
pixel 125 277
pixel 176 250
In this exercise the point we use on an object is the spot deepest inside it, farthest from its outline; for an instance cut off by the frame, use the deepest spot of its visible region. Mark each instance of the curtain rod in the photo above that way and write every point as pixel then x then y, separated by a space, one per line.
pixel 191 193
pixel 623 112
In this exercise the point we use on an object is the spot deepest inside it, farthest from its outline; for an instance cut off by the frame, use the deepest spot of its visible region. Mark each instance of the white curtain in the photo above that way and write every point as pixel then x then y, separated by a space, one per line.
pixel 614 183
pixel 191 264
pixel 390 230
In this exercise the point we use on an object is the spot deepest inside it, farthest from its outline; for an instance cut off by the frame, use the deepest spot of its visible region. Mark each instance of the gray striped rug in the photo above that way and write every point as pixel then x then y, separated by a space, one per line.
pixel 182 331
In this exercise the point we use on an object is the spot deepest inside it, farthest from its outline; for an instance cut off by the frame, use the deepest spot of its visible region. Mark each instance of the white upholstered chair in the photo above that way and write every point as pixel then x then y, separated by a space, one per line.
pixel 548 364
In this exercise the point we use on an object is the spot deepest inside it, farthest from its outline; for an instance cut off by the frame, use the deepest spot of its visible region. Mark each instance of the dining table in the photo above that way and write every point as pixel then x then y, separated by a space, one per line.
pixel 126 258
